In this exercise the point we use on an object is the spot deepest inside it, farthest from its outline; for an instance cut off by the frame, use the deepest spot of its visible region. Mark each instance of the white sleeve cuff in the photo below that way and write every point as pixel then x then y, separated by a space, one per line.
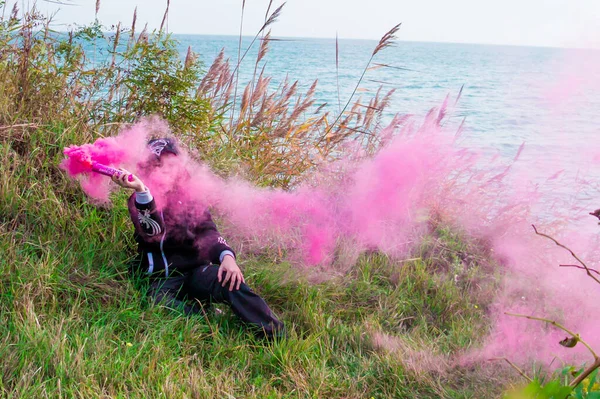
pixel 144 197
pixel 224 253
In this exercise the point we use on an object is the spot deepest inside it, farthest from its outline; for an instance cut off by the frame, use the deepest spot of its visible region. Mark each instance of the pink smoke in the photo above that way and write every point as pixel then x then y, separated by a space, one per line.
pixel 384 203
pixel 124 150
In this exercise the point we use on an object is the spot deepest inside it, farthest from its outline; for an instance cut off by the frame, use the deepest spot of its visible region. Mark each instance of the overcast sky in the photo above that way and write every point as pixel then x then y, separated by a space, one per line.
pixel 561 23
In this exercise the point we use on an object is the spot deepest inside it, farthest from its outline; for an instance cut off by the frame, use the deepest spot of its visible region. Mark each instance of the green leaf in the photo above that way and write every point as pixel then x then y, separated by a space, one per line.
pixel 592 378
pixel 556 390
pixel 578 391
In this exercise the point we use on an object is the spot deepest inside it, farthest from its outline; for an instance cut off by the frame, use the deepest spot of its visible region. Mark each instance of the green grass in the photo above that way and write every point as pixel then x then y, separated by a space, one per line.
pixel 76 325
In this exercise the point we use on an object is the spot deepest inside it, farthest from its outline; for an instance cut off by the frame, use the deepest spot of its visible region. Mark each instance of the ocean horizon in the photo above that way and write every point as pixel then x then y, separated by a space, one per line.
pixel 541 97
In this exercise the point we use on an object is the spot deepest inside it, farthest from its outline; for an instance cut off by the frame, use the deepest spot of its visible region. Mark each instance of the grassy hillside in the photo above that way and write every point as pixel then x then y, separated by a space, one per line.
pixel 75 324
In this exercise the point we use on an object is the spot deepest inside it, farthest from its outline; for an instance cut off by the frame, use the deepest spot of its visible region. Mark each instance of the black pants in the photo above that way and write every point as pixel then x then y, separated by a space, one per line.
pixel 201 284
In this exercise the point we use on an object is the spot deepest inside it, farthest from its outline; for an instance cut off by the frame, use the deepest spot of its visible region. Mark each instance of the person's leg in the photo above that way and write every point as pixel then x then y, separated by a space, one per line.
pixel 203 284
pixel 170 293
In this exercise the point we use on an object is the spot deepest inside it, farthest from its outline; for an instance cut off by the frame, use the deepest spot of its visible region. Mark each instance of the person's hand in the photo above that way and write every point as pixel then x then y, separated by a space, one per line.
pixel 123 179
pixel 232 272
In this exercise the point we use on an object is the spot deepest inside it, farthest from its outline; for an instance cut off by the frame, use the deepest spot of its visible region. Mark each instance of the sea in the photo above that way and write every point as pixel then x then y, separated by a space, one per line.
pixel 510 94
pixel 545 99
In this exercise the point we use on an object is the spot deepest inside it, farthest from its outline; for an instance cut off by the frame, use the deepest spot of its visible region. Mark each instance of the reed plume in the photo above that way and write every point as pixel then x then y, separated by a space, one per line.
pixel 190 58
pixel 264 47
pixel 386 41
pixel 134 20
pixel 165 16
pixel 271 20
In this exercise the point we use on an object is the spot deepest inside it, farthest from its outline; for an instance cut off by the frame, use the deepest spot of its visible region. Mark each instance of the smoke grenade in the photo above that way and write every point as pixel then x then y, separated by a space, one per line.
pixel 107 170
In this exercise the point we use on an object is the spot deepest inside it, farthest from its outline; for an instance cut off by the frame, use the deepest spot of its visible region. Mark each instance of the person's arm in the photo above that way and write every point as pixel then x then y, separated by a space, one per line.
pixel 219 252
pixel 150 220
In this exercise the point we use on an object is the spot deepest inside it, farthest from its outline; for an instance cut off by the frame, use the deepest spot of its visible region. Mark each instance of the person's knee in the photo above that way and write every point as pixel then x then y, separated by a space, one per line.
pixel 243 291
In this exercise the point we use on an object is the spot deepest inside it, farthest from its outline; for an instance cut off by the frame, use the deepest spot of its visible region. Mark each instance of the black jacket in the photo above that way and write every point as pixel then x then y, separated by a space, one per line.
pixel 178 238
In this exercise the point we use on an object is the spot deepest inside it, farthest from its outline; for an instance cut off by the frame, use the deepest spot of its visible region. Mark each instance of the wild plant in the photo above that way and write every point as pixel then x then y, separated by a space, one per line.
pixel 571 382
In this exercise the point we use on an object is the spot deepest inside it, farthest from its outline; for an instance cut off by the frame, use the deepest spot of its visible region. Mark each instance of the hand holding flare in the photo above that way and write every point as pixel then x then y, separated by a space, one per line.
pixel 132 181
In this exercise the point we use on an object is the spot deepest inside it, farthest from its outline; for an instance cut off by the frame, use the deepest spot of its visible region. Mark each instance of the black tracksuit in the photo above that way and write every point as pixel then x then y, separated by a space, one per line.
pixel 180 250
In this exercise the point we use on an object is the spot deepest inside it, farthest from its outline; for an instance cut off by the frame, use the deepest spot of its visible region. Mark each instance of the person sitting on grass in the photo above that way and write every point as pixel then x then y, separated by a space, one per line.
pixel 188 262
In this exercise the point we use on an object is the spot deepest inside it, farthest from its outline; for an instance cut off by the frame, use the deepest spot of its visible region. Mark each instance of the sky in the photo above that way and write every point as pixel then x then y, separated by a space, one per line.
pixel 556 23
